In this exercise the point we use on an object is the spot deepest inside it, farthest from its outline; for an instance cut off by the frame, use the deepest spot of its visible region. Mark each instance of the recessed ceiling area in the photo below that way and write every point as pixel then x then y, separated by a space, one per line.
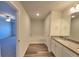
pixel 44 7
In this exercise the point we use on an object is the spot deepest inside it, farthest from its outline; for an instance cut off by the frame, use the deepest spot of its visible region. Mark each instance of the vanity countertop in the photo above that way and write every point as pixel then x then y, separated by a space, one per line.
pixel 69 44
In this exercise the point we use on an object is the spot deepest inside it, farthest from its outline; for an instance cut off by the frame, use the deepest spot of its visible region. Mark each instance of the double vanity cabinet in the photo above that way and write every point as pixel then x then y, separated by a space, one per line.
pixel 60 48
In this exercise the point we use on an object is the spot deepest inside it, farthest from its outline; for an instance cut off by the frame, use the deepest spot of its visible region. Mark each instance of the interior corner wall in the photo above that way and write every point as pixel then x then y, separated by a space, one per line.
pixel 13 26
pixel 23 29
pixel 37 31
pixel 47 32
pixel 5 29
pixel 37 27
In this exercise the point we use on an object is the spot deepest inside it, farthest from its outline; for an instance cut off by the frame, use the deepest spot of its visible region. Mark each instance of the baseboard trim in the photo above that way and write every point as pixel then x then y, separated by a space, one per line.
pixel 26 51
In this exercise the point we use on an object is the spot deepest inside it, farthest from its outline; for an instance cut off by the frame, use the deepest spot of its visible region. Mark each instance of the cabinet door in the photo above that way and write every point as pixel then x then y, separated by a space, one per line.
pixel 68 53
pixel 55 24
pixel 65 25
pixel 58 50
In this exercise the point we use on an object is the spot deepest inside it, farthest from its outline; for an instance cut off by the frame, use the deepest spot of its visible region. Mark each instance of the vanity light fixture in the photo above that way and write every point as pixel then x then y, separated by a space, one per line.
pixel 74 9
pixel 77 7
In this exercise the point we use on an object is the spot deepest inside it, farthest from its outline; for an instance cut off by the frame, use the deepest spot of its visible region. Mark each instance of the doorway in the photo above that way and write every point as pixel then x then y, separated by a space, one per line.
pixel 7 30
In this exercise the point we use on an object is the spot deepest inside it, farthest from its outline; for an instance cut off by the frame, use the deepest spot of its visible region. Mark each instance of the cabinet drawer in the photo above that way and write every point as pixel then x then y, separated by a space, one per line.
pixel 68 53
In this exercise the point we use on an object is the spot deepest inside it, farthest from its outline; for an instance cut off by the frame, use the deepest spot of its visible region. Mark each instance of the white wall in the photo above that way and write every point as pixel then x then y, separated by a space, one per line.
pixel 47 26
pixel 37 31
pixel 23 29
pixel 37 27
pixel 47 32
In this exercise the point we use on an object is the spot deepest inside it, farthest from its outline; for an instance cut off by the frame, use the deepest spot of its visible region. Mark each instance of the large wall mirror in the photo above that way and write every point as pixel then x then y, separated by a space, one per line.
pixel 75 26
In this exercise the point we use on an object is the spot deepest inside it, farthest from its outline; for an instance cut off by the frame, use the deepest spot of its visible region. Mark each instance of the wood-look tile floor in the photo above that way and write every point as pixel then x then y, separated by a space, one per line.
pixel 38 50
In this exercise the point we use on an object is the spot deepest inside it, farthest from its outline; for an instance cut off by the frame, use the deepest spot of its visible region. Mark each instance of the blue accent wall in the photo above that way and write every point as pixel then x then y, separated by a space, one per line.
pixel 7 32
pixel 4 7
pixel 8 47
pixel 13 26
pixel 5 28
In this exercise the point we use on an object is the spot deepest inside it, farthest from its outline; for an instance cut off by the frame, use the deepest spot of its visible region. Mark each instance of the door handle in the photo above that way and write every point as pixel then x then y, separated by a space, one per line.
pixel 18 40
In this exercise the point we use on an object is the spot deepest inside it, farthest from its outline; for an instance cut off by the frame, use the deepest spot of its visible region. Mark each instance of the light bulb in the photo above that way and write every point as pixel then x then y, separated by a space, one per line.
pixel 72 16
pixel 37 14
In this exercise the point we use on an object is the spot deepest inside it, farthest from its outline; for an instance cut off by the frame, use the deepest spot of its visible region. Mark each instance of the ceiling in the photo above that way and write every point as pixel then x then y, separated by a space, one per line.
pixel 44 7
